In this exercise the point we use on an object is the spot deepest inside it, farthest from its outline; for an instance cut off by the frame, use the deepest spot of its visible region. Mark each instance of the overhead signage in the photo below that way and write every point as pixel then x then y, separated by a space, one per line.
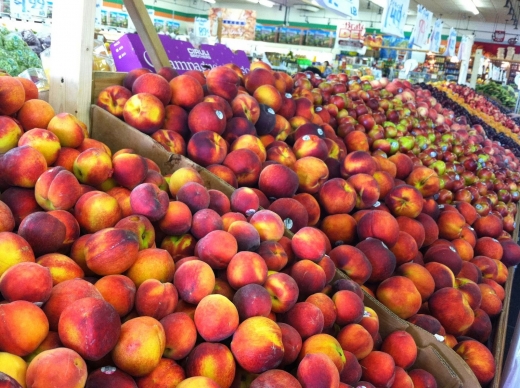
pixel 342 7
pixel 435 36
pixel 394 17
pixel 422 27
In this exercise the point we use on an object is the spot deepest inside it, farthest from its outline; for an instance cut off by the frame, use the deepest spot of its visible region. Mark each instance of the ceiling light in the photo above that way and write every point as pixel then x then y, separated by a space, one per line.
pixel 472 8
pixel 209 1
pixel 266 3
pixel 381 3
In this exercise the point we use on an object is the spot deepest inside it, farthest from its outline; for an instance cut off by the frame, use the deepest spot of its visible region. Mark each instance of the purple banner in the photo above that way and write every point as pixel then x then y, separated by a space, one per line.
pixel 129 53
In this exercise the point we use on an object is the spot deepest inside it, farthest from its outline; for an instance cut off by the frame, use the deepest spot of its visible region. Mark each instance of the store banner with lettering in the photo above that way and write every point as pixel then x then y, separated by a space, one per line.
pixel 236 23
pixel 422 26
pixel 452 41
pixel 394 17
pixel 466 44
pixel 342 7
pixel 435 36
pixel 350 36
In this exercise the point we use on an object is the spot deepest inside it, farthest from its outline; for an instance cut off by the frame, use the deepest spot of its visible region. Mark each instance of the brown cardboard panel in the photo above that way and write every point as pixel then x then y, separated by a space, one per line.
pixel 104 79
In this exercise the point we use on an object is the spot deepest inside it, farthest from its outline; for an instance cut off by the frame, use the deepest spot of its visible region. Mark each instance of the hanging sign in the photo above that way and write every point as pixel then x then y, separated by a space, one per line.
pixel 394 17
pixel 350 36
pixel 452 41
pixel 342 7
pixel 236 23
pixel 435 37
pixel 422 27
pixel 201 27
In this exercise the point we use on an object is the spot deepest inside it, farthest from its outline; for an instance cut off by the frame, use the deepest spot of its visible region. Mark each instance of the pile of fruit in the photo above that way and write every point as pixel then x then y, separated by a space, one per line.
pixel 15 55
pixel 169 281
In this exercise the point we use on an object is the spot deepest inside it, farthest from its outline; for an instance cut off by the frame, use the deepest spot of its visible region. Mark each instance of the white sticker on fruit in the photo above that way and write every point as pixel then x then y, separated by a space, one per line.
pixel 308 76
pixel 219 114
pixel 306 138
pixel 270 110
pixel 320 131
pixel 433 154
pixel 377 204
pixel 366 314
pixel 108 369
pixel 250 212
pixel 441 206
pixel 318 109
pixel 439 338
pixel 495 240
pixel 453 249
pixel 288 223
pixel 470 228
pixel 288 95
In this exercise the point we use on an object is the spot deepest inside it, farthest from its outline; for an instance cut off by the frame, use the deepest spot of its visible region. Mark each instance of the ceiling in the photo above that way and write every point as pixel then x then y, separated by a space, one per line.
pixel 489 10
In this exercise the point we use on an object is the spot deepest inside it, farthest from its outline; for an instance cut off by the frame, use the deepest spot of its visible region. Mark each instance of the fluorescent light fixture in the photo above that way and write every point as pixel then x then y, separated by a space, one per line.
pixel 472 8
pixel 380 3
pixel 209 1
pixel 265 3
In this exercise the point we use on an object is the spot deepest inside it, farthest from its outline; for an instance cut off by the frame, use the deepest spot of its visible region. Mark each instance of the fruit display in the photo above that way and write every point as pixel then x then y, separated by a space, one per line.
pixel 504 94
pixel 376 179
pixel 15 55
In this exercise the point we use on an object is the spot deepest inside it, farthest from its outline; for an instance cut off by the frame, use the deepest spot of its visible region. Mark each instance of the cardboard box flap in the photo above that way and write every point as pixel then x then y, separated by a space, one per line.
pixel 428 357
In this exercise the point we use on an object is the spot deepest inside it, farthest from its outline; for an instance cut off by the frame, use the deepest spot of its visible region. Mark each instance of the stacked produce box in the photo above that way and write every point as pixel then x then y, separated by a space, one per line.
pixel 154 272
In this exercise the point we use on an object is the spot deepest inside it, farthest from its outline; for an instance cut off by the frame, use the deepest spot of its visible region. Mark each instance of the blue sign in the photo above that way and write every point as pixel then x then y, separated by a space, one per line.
pixel 394 17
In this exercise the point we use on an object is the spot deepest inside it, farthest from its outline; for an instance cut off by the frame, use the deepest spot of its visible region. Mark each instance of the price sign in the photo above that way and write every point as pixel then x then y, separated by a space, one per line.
pixel 435 37
pixel 342 7
pixel 29 8
pixel 201 27
pixel 422 27
pixel 452 41
pixel 394 17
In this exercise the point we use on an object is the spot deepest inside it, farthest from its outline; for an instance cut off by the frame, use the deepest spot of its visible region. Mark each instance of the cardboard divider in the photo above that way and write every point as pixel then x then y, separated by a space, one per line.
pixel 441 361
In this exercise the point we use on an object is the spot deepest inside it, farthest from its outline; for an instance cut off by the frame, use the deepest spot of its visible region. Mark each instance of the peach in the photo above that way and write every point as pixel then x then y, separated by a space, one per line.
pixel 337 196
pixel 168 73
pixel 244 200
pixel 148 200
pixel 10 133
pixel 246 166
pixel 404 200
pixel 257 77
pixel 470 271
pixel 186 91
pixel 206 116
pixel 356 340
pixel 463 248
pixel 246 268
pixel 198 381
pixel 205 221
pixel 268 224
pixel 400 295
pixel 425 180
pixel 93 167
pixel 269 95
pixel 140 346
pixel 61 267
pixel 22 166
pixel 309 277
pixel 317 368
pixel 43 232
pixel 431 230
pixel 113 99
pixel 446 255
pixel 366 189
pixel 212 360
pixel 340 229
pixel 378 368
pixel 119 291
pixel 324 344
pixel 246 236
pixel 261 301
pixel 488 226
pixel 402 379
pixel 153 84
pixel 194 280
pixel 292 343
pixel 481 328
pixel 132 75
pixel 278 181
pixel 109 376
pixel 12 95
pixel 422 378
pixel 152 263
pixel 12 370
pixel 479 359
pixel 358 162
pixel 26 281
pixel 349 307
pixel 308 244
pixel 274 255
pixel 224 173
pixel 122 196
pixel 306 318
pixel 31 90
pixel 51 186
pixel 207 148
pixel 353 262
pixel 90 327
pixel 237 127
pixel 217 249
pixel 155 299
pixel 24 327
pixel 487 266
pixel 129 170
pixel 15 249
pixel 402 347
pixel 312 174
pixel 246 106
pixel 257 345
pixel 223 82
pixel 292 212
pixel 311 205
pixel 490 247
pixel 177 220
pixel 383 261
pixel 280 152
pixel 181 335
pixel 380 225
pixel 491 303
pixel 145 112
pixel 142 228
pixel 275 378
pixel 327 307
pixel 370 321
pixel 35 114
pixel 194 195
pixel 455 319
pixel 63 366
pixel 44 141
pixel 511 255
pixel 351 373
pixel 405 250
pixel 182 176
pixel 284 292
pixel 442 275
pixel 450 225
pixel 176 120
pixel 470 290
pixel 282 127
pixel 70 131
pixel 420 276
